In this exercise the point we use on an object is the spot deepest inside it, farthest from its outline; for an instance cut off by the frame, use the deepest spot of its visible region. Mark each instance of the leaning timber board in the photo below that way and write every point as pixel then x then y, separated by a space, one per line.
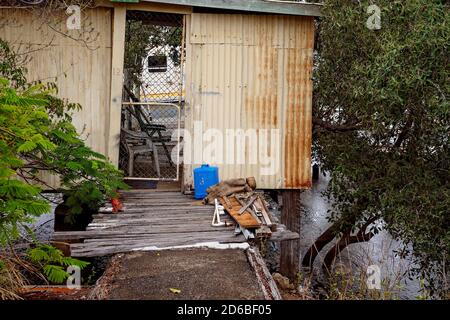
pixel 245 220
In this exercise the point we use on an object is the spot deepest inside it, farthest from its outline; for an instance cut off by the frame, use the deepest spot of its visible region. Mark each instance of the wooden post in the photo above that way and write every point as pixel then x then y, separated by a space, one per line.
pixel 290 249
pixel 115 104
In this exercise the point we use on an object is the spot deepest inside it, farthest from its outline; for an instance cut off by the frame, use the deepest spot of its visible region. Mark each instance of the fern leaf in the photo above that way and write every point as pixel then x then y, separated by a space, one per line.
pixel 27 146
pixel 55 274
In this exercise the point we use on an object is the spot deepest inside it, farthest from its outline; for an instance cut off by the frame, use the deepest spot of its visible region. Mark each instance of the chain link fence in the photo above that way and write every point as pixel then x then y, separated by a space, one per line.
pixel 153 95
pixel 149 144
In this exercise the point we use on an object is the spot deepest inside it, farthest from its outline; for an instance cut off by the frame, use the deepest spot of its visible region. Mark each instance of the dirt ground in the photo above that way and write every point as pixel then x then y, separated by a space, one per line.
pixel 196 273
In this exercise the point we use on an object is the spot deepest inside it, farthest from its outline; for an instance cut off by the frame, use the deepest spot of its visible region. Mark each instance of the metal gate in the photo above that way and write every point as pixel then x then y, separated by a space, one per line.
pixel 150 140
pixel 153 95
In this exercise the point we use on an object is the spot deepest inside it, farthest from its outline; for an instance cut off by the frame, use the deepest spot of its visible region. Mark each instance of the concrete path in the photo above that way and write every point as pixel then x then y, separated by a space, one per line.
pixel 196 273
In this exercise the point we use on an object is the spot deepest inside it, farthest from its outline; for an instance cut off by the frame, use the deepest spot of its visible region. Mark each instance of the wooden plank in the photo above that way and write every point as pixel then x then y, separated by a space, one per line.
pixel 152 241
pixel 265 280
pixel 124 215
pixel 210 235
pixel 207 236
pixel 184 218
pixel 290 250
pixel 108 234
pixel 245 220
pixel 155 221
pixel 146 225
pixel 155 196
pixel 149 191
pixel 158 203
pixel 260 204
pixel 282 234
pixel 96 249
pixel 162 210
pixel 115 104
pixel 167 203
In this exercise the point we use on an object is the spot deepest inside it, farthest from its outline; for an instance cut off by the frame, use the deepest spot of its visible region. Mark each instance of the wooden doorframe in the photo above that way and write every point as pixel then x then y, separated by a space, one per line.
pixel 115 102
pixel 117 59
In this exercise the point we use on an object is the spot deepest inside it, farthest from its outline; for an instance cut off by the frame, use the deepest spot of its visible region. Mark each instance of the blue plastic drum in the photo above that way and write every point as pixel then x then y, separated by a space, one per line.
pixel 204 177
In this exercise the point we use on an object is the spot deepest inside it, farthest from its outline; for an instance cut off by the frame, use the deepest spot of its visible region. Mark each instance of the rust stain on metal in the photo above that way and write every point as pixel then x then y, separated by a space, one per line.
pixel 297 136
pixel 262 104
pixel 262 70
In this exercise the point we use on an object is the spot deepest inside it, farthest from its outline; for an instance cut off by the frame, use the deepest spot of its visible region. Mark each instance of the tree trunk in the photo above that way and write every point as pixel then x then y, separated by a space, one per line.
pixel 290 249
pixel 331 255
pixel 325 238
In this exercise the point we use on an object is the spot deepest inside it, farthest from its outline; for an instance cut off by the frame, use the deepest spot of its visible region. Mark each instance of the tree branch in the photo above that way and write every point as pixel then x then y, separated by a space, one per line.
pixel 335 128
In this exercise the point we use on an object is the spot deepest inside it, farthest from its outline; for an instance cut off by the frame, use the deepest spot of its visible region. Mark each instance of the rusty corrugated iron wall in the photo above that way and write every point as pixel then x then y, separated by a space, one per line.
pixel 252 71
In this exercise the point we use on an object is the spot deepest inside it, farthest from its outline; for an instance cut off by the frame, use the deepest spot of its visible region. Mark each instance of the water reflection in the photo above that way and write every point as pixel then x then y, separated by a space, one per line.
pixel 380 250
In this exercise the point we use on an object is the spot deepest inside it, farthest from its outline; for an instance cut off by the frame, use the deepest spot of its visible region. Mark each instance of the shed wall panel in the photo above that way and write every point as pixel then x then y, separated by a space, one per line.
pixel 251 72
pixel 82 70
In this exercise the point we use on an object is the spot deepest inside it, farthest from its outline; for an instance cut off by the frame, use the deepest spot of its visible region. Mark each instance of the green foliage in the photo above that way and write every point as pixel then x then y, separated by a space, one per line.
pixel 140 37
pixel 382 123
pixel 53 262
pixel 37 136
pixel 347 284
pixel 21 121
pixel 10 67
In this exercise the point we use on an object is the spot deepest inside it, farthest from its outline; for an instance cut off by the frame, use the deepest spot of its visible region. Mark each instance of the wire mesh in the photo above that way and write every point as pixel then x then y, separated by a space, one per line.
pixel 154 56
pixel 153 83
pixel 149 141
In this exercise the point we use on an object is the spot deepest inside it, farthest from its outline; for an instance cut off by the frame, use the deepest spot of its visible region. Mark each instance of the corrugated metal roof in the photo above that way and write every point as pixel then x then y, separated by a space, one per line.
pixel 263 6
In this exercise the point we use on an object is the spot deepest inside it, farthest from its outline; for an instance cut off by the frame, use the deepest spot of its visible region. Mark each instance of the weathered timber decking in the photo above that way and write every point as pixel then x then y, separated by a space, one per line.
pixel 150 220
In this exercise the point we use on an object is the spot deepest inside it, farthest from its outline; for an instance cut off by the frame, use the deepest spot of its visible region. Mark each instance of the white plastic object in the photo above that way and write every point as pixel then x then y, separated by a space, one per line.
pixel 218 211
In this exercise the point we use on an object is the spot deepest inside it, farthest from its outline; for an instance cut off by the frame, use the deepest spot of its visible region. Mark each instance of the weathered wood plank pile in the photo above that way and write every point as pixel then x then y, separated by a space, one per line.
pixel 149 219
pixel 247 207
pixel 153 219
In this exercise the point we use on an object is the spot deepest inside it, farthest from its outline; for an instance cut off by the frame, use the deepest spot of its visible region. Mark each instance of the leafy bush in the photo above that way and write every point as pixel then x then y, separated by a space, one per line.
pixel 37 136
pixel 53 262
pixel 382 123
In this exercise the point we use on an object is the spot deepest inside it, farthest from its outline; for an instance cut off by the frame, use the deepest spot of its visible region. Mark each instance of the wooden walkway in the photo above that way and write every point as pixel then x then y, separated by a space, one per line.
pixel 150 219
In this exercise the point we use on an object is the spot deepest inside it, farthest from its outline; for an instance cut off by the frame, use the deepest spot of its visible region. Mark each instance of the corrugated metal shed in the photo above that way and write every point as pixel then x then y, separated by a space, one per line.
pixel 243 71
pixel 252 72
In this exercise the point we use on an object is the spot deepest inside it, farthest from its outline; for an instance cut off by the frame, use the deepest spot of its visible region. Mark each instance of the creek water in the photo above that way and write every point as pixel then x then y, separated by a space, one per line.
pixel 44 224
pixel 380 250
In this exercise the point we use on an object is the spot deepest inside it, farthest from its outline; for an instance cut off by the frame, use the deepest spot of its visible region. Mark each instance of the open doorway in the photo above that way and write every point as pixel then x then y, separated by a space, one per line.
pixel 153 97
